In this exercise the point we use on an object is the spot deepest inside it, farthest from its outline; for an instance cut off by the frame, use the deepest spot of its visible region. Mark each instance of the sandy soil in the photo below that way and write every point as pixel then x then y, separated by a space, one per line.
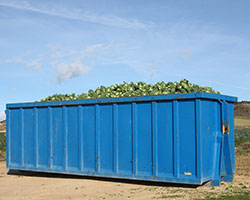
pixel 2 126
pixel 41 186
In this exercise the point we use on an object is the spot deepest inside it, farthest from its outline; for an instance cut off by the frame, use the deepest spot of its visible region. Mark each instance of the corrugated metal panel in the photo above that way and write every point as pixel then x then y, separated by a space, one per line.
pixel 171 138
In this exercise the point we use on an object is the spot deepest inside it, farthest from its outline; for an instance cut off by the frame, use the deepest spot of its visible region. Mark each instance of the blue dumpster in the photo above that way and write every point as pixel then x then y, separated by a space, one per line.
pixel 181 138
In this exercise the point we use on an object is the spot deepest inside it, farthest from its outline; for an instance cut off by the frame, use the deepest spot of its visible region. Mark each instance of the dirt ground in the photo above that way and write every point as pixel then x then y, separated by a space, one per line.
pixel 2 126
pixel 41 186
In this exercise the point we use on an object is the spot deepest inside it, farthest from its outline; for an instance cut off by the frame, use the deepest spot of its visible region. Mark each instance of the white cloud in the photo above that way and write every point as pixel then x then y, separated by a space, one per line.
pixel 186 53
pixel 13 89
pixel 2 116
pixel 152 74
pixel 67 63
pixel 59 53
pixel 155 63
pixel 73 63
pixel 68 71
pixel 36 64
pixel 91 49
pixel 77 14
pixel 15 60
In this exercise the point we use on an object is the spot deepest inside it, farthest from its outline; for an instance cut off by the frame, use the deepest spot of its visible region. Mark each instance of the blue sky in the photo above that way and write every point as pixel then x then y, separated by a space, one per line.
pixel 49 47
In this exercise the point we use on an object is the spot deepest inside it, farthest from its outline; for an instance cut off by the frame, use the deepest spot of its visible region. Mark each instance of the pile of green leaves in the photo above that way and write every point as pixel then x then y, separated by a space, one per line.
pixel 134 89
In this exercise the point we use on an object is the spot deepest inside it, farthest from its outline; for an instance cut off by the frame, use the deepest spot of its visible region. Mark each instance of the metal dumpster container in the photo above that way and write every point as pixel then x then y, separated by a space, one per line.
pixel 180 138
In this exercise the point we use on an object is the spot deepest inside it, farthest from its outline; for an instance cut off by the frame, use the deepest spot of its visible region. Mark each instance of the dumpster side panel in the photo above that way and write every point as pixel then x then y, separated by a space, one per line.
pixel 186 137
pixel 15 137
pixel 211 128
pixel 105 139
pixel 29 137
pixel 124 139
pixel 57 138
pixel 165 155
pixel 144 139
pixel 72 138
pixel 43 138
pixel 134 140
pixel 88 129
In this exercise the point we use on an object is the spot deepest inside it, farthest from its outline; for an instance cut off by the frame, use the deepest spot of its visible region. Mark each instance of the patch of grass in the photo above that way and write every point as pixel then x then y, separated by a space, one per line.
pixel 243 153
pixel 2 142
pixel 2 146
pixel 163 197
pixel 241 122
pixel 243 195
pixel 2 156
pixel 175 196
pixel 242 136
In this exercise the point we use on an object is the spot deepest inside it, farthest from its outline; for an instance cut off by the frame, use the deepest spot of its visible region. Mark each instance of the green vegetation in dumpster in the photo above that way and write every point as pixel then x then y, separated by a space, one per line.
pixel 134 89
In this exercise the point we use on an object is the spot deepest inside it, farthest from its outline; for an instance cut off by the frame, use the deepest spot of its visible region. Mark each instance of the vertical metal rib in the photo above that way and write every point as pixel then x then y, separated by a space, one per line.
pixel 115 137
pixel 65 138
pixel 80 138
pixel 154 139
pixel 36 136
pixel 176 137
pixel 8 136
pixel 198 121
pixel 50 160
pixel 22 136
pixel 134 136
pixel 97 138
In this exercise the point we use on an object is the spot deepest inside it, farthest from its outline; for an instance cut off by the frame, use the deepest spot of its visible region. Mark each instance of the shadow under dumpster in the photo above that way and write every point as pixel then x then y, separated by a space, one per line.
pixel 106 179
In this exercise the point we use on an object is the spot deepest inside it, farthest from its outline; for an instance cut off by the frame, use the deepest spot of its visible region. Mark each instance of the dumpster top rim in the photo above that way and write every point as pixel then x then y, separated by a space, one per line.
pixel 200 95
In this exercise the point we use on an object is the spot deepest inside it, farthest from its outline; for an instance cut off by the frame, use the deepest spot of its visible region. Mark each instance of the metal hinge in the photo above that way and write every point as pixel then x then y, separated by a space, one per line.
pixel 225 128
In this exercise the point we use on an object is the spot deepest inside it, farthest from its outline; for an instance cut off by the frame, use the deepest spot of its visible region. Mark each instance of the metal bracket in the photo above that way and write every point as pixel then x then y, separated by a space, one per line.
pixel 223 149
pixel 225 128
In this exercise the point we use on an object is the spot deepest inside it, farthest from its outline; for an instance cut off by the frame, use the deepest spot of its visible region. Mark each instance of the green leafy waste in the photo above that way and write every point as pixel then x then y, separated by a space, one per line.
pixel 134 89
